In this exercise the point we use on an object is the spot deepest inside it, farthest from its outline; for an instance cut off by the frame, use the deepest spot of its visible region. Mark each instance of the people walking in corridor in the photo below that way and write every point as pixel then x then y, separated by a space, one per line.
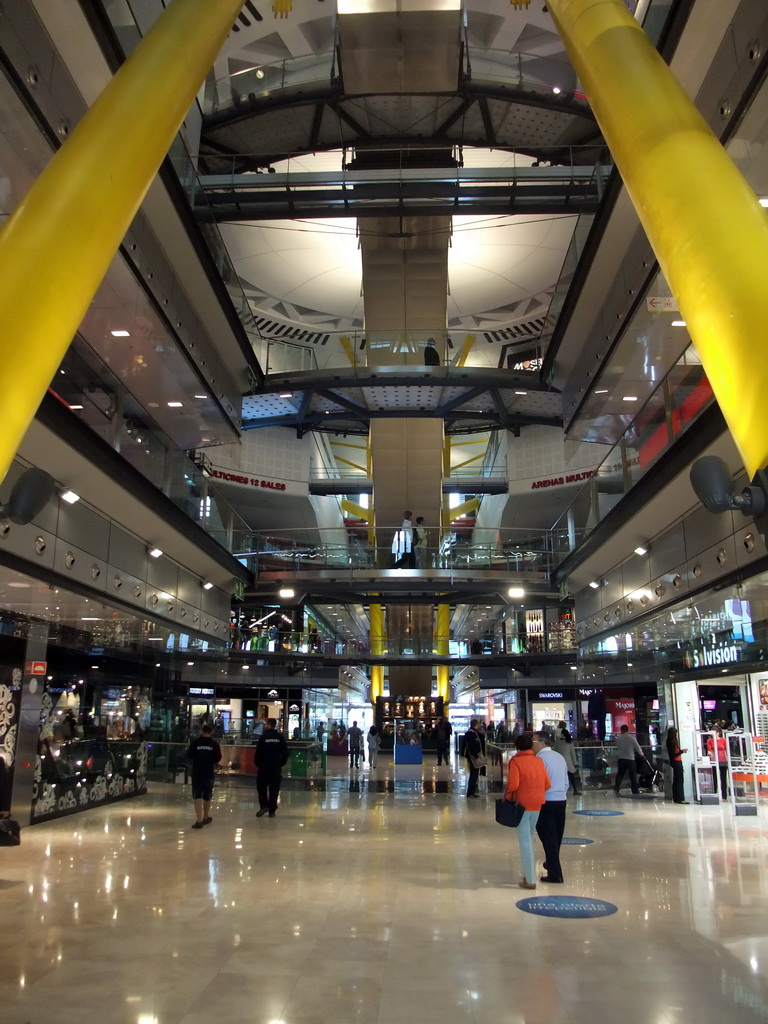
pixel 527 783
pixel 270 756
pixel 374 742
pixel 355 737
pixel 205 753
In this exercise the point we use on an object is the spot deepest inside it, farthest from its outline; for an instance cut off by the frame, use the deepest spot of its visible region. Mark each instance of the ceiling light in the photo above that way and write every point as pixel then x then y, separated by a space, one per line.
pixel 516 592
pixel 287 592
pixel 287 394
pixel 629 398
pixel 573 668
pixel 602 391
pixel 201 396
pixel 190 663
pixel 764 201
pixel 175 405
pixel 594 584
pixel 521 392
pixel 69 496
pixel 207 585
pixel 556 90
pixel 679 323
pixel 154 638
pixel 24 586
pixel 245 666
pixel 120 334
pixel 154 552
pixel 89 618
pixel 641 549
pixel 73 407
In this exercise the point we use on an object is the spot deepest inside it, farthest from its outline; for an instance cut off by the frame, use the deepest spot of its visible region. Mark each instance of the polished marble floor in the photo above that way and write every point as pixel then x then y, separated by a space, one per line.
pixel 355 904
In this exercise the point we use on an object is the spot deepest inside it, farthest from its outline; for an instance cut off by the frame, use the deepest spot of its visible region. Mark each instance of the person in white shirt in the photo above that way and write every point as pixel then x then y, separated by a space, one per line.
pixel 551 822
pixel 402 545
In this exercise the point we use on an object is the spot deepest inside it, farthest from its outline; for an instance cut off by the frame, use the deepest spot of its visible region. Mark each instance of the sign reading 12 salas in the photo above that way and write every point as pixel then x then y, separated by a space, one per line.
pixel 264 485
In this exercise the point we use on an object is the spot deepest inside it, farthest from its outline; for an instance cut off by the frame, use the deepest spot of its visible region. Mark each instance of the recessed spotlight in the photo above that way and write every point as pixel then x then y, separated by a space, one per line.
pixel 287 394
pixel 175 405
pixel 73 407
pixel 287 592
pixel 629 398
pixel 679 323
pixel 154 552
pixel 764 201
pixel 602 391
pixel 207 586
pixel 201 396
pixel 516 592
pixel 521 392
pixel 594 584
pixel 120 334
pixel 641 550
pixel 190 663
pixel 89 618
pixel 69 496
pixel 556 90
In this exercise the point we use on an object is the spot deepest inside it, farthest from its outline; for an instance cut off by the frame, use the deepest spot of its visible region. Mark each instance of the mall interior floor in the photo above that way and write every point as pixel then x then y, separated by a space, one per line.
pixel 388 908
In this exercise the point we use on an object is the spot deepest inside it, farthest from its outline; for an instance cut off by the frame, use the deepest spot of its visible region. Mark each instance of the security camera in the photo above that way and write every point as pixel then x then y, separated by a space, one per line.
pixel 712 481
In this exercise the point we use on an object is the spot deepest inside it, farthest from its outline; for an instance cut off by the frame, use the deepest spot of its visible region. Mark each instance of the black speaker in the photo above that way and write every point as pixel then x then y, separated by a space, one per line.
pixel 31 493
pixel 711 480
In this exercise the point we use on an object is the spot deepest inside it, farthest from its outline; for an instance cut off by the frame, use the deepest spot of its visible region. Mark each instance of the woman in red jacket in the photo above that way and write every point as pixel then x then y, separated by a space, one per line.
pixel 527 782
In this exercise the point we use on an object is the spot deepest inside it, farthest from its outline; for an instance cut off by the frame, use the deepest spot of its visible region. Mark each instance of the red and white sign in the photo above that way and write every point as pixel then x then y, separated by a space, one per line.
pixel 35 668
pixel 263 485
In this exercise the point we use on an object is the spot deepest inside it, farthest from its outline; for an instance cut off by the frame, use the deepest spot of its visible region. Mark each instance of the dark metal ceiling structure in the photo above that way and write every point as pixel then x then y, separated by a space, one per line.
pixel 468 399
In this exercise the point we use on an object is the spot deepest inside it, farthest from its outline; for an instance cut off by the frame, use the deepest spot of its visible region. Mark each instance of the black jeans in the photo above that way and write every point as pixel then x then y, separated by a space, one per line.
pixel 268 787
pixel 549 828
pixel 627 765
pixel 474 775
pixel 443 751
pixel 678 784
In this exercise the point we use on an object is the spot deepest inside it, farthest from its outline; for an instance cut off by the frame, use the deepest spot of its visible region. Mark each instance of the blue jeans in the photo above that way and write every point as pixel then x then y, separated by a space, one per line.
pixel 525 833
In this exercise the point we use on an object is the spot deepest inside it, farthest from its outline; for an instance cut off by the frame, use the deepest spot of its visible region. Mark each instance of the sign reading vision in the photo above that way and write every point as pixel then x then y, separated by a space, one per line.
pixel 706 656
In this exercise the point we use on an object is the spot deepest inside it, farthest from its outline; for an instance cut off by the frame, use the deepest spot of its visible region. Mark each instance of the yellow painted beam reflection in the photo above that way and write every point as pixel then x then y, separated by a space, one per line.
pixel 376 621
pixel 56 246
pixel 707 229
pixel 442 647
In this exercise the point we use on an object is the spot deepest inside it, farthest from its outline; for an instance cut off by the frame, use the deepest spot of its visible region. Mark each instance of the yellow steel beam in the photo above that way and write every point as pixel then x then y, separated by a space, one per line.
pixel 377 643
pixel 705 224
pixel 354 509
pixel 56 246
pixel 466 348
pixel 442 647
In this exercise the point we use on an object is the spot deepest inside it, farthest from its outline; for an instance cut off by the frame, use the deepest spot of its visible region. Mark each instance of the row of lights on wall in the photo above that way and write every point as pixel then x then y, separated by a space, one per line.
pixel 641 549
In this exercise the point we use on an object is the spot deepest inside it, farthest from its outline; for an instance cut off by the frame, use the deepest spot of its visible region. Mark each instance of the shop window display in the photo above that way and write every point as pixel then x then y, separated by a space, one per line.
pixel 86 759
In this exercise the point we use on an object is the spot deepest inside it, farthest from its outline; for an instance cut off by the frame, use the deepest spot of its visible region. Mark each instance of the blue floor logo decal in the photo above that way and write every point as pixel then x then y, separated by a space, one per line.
pixel 567 906
pixel 600 814
pixel 575 841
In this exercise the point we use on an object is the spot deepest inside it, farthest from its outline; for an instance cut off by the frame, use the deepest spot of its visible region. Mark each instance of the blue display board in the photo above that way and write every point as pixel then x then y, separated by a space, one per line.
pixel 575 841
pixel 567 906
pixel 599 814
pixel 408 753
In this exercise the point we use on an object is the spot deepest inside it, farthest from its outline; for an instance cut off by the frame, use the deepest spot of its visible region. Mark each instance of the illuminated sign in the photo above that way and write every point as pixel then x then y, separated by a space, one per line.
pixel 705 657
pixel 201 691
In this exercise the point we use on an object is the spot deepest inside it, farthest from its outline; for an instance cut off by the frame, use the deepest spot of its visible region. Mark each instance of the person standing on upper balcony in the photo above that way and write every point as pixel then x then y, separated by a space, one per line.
pixel 431 355
pixel 402 545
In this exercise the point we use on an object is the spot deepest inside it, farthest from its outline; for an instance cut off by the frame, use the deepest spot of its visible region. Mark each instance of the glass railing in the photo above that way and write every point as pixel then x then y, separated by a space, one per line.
pixel 458 548
pixel 167 762
pixel 671 410
pixel 263 81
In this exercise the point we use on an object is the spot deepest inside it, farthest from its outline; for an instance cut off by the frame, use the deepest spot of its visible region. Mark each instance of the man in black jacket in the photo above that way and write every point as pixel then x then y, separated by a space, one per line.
pixel 270 756
pixel 474 750
pixel 205 753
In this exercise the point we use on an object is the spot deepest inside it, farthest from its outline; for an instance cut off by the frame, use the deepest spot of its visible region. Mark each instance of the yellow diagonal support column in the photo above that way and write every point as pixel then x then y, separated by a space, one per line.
pixel 708 231
pixel 56 246
pixel 442 647
pixel 376 619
